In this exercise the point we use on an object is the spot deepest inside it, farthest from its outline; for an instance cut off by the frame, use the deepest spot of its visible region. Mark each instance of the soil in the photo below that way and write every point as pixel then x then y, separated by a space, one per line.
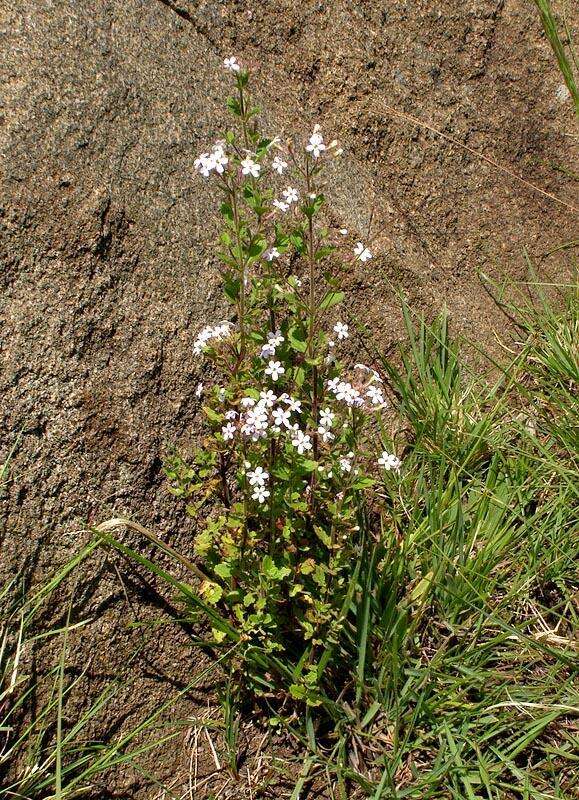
pixel 107 268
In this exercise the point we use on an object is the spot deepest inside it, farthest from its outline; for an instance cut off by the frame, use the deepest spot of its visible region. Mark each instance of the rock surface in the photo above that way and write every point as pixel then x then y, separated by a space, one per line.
pixel 106 265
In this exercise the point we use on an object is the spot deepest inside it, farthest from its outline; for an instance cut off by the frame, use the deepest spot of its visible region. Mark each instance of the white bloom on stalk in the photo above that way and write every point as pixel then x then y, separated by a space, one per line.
pixel 210 332
pixel 341 330
pixel 281 418
pixel 362 252
pixel 267 398
pixel 348 393
pixel 325 434
pixel 333 384
pixel 228 431
pixel 316 144
pixel 216 160
pixel 294 405
pixel 204 164
pixel 267 350
pixel 375 395
pixel 275 370
pixel 278 164
pixel 255 423
pixel 247 402
pixel 301 441
pixel 281 205
pixel 250 167
pixel 258 477
pixel 272 253
pixel 389 461
pixel 231 64
pixel 327 417
pixel 219 159
pixel 199 390
pixel 290 194
pixel 231 414
pixel 346 463
pixel 260 493
pixel 275 339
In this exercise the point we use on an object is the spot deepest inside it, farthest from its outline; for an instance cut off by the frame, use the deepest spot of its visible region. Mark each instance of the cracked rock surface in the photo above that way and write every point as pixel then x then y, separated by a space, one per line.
pixel 106 265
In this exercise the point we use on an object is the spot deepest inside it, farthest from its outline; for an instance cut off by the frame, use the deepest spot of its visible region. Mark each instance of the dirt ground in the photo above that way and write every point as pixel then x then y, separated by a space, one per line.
pixel 106 265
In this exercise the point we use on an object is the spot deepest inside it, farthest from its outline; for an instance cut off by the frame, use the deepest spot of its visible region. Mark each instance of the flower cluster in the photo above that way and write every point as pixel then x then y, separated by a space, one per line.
pixel 216 161
pixel 209 334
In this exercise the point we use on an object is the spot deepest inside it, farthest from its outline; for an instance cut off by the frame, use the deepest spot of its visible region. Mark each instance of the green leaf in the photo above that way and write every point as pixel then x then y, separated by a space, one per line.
pixel 297 339
pixel 218 636
pixel 212 592
pixel 227 211
pixel 323 252
pixel 298 241
pixel 223 570
pixel 323 536
pixel 212 415
pixel 298 692
pixel 231 286
pixel 331 299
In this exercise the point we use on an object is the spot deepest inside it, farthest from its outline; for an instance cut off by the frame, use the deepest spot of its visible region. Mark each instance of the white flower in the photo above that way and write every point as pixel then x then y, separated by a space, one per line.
pixel 281 205
pixel 362 252
pixel 267 398
pixel 341 330
pixel 326 435
pixel 250 167
pixel 333 384
pixel 260 493
pixel 267 350
pixel 199 390
pixel 231 64
pixel 294 405
pixel 316 144
pixel 247 402
pixel 204 164
pixel 272 253
pixel 327 417
pixel 343 390
pixel 389 461
pixel 231 414
pixel 281 417
pixel 228 431
pixel 219 159
pixel 278 164
pixel 255 423
pixel 344 231
pixel 301 441
pixel 275 339
pixel 345 464
pixel 374 394
pixel 210 332
pixel 258 477
pixel 274 369
pixel 290 194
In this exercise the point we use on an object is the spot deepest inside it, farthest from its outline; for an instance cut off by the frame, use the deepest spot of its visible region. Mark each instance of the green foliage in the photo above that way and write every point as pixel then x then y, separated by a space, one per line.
pixel 566 63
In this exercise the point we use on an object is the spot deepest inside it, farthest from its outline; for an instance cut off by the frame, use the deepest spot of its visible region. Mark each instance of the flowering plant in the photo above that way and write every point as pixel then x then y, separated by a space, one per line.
pixel 294 458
